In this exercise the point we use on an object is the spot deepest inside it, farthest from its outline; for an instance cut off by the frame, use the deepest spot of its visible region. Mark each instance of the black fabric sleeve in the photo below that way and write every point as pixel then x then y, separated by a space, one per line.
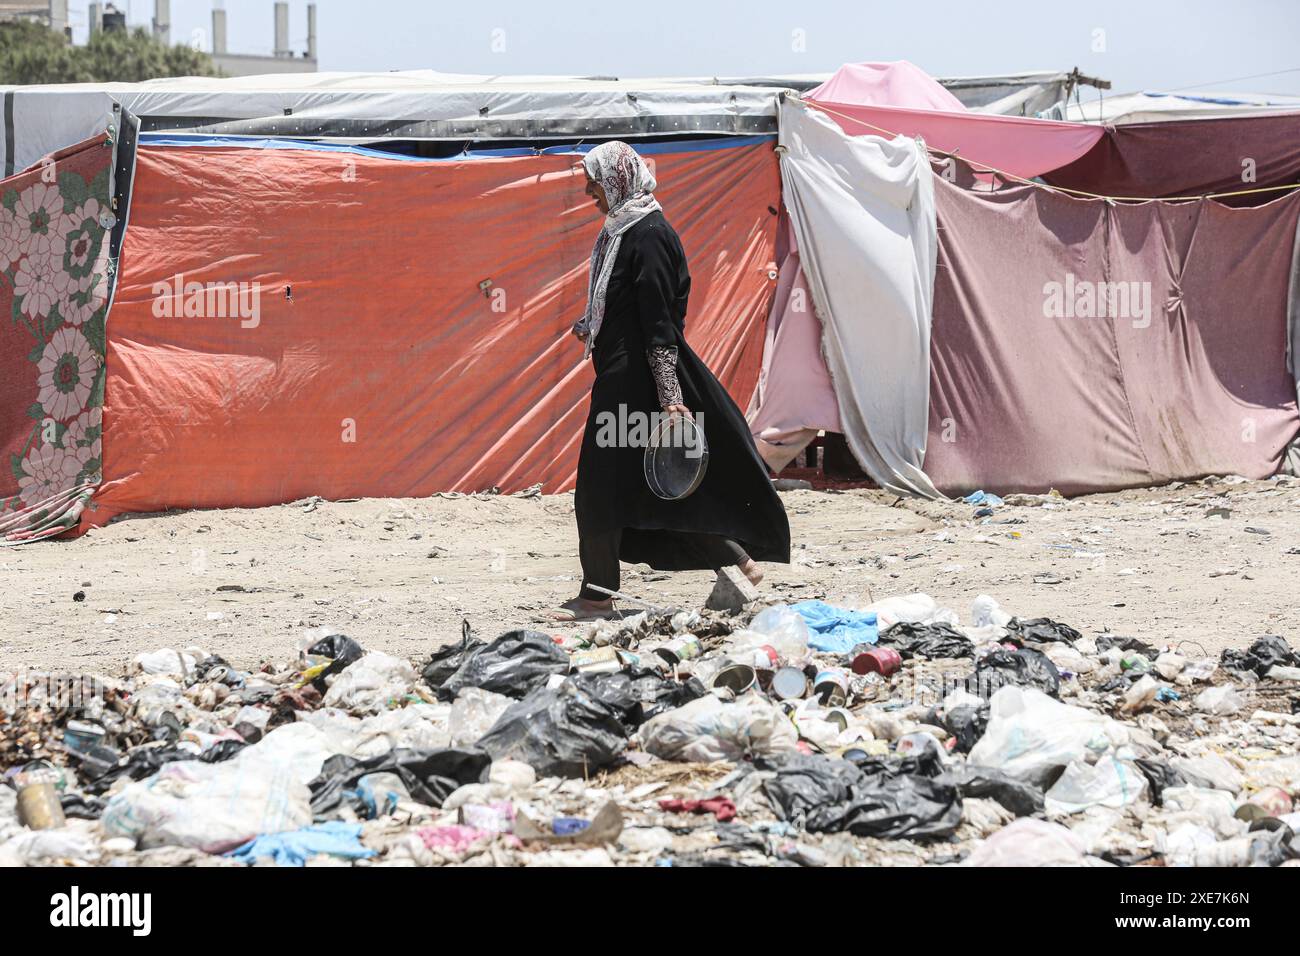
pixel 654 280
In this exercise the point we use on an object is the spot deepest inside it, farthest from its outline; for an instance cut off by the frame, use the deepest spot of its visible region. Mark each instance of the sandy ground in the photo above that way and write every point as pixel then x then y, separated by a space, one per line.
pixel 1217 562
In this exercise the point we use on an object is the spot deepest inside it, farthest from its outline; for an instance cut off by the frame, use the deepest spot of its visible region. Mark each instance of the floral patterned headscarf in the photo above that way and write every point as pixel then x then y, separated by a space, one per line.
pixel 629 190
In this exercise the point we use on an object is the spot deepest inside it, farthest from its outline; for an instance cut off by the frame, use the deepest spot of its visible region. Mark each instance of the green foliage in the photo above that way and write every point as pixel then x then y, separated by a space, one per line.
pixel 32 53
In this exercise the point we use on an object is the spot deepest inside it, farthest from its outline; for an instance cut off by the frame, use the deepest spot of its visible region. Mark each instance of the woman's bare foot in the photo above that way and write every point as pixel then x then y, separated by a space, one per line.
pixel 751 570
pixel 580 609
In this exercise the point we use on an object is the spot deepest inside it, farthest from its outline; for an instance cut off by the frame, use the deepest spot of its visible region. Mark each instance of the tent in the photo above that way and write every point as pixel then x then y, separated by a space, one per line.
pixel 1156 107
pixel 963 327
pixel 223 294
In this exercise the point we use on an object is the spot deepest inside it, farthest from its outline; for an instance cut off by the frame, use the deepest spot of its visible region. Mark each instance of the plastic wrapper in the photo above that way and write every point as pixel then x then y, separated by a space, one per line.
pixel 473 714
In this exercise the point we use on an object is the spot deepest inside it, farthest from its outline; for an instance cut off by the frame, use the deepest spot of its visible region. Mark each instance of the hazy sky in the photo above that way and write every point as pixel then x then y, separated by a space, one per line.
pixel 1138 44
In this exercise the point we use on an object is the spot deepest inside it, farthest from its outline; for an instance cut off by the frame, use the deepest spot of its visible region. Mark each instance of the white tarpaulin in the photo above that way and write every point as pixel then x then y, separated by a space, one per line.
pixel 364 107
pixel 862 208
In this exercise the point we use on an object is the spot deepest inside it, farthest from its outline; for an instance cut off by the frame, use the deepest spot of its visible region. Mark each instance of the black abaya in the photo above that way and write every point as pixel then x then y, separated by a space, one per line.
pixel 646 307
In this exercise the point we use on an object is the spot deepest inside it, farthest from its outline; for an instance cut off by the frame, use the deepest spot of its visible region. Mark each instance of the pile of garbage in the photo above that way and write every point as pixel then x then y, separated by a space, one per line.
pixel 804 734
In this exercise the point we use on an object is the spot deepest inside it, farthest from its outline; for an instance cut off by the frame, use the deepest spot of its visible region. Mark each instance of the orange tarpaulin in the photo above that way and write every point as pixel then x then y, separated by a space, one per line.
pixel 292 322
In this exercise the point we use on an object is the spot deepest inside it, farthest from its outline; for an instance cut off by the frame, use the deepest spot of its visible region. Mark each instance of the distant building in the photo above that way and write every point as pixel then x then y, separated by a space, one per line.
pixel 105 16
pixel 52 13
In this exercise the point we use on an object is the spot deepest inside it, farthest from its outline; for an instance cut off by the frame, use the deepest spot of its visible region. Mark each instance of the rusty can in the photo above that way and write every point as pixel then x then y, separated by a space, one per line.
pixel 680 649
pixel 832 687
pixel 737 678
pixel 39 807
pixel 790 683
pixel 881 660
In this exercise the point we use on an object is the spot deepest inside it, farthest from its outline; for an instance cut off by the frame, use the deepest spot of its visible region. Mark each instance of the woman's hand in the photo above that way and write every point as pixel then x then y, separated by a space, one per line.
pixel 578 334
pixel 674 411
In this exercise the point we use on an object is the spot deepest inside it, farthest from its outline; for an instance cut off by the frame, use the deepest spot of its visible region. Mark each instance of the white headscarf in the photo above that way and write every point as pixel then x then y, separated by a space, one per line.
pixel 629 190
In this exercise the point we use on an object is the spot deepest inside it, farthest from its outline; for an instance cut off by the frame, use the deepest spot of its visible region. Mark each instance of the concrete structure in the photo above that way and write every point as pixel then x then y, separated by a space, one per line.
pixel 283 58
pixel 53 13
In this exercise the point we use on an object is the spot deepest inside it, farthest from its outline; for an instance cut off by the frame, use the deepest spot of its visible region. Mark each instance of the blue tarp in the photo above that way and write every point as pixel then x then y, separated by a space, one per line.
pixel 836 630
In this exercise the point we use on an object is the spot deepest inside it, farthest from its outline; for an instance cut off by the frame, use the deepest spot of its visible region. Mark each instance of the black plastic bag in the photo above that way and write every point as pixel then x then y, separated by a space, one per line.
pixel 222 750
pixel 1107 641
pixel 513 664
pixel 967 723
pixel 1041 629
pixel 429 775
pixel 1119 682
pixel 81 806
pixel 343 652
pixel 639 693
pixel 1159 775
pixel 141 762
pixel 447 660
pixel 1021 798
pixel 927 640
pixel 564 732
pixel 1023 667
pixel 909 798
pixel 1265 653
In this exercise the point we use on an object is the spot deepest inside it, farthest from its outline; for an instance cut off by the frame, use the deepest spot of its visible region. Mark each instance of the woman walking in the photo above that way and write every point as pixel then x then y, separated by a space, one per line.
pixel 634 332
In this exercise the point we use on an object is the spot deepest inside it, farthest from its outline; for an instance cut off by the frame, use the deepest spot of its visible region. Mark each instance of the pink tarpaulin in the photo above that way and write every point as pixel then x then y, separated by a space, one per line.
pixel 802 398
pixel 1086 346
pixel 887 84
pixel 863 99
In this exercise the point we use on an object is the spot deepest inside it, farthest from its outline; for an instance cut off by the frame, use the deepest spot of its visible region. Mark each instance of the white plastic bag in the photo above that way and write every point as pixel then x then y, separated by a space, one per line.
pixel 783 628
pixel 473 714
pixel 1221 700
pixel 374 683
pixel 915 608
pixel 707 729
pixel 215 807
pixel 1110 782
pixel 1029 734
pixel 1029 842
pixel 166 661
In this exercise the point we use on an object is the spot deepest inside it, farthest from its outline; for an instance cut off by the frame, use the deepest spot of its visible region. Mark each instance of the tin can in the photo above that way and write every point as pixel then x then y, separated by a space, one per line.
pixel 601 660
pixel 39 807
pixel 832 687
pixel 680 649
pixel 881 660
pixel 737 678
pixel 81 735
pixel 790 683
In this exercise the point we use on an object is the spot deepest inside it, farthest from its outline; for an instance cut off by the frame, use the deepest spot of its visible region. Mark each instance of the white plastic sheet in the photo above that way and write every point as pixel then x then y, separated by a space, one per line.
pixel 862 208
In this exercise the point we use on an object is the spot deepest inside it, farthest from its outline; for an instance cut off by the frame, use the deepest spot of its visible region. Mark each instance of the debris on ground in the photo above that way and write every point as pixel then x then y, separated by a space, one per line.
pixel 807 734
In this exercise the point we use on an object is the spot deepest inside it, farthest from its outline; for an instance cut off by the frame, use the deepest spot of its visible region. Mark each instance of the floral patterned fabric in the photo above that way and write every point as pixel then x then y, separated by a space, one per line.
pixel 55 220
